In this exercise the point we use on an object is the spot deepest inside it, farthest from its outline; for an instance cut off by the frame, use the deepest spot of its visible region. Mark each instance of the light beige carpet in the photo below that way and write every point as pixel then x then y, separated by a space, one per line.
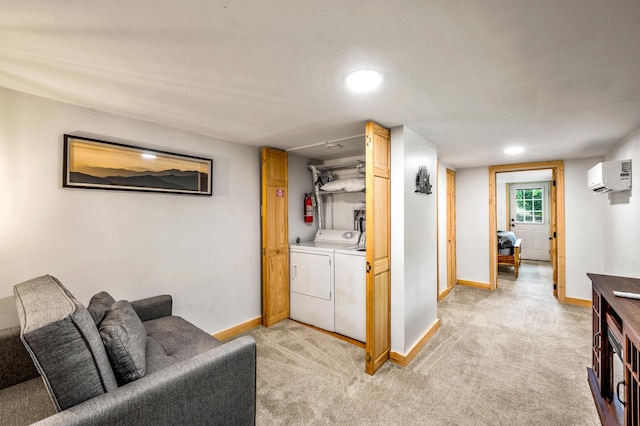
pixel 514 356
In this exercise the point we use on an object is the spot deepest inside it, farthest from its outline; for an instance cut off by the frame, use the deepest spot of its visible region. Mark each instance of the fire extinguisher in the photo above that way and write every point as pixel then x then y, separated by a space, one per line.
pixel 308 208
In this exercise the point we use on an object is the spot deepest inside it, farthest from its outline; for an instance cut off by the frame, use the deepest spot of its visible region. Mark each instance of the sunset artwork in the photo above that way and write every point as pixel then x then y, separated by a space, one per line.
pixel 104 165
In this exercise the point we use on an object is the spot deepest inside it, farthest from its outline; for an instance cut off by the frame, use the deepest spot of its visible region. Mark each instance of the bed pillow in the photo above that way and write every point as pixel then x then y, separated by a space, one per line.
pixel 125 339
pixel 350 184
pixel 354 184
pixel 99 305
pixel 334 185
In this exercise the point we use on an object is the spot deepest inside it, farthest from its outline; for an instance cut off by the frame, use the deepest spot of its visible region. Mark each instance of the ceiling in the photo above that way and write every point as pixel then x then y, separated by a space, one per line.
pixel 560 78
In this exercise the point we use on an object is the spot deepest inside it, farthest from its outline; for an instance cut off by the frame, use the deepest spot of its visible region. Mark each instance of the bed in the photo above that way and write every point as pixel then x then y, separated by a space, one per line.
pixel 509 250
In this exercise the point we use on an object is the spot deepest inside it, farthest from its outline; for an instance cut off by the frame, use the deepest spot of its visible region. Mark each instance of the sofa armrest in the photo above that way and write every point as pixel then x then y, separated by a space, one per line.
pixel 214 387
pixel 153 307
pixel 16 365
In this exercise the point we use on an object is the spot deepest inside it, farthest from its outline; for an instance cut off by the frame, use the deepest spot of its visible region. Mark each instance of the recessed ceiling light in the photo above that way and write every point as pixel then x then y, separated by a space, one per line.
pixel 514 150
pixel 364 80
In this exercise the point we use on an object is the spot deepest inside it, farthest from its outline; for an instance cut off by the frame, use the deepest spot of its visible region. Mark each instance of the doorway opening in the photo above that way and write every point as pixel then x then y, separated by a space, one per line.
pixel 539 273
pixel 528 213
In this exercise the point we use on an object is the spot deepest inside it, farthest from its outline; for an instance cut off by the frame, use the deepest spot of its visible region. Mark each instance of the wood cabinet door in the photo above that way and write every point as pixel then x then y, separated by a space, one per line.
pixel 632 377
pixel 596 338
pixel 275 237
pixel 378 167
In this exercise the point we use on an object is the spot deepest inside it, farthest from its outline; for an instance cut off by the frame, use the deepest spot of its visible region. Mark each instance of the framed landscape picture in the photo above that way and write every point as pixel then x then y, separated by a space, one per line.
pixel 90 163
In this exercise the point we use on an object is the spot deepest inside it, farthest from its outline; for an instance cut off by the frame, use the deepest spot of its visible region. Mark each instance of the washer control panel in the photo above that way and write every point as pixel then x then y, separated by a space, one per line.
pixel 337 236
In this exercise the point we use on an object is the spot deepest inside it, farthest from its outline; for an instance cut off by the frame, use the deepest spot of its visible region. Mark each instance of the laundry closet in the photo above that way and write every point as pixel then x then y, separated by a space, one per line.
pixel 327 270
pixel 327 266
pixel 331 272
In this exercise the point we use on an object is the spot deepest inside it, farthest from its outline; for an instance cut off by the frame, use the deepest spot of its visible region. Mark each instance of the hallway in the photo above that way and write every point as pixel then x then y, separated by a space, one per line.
pixel 532 272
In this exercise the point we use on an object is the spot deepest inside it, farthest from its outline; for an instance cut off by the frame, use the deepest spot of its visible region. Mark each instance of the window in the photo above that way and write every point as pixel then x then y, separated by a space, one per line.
pixel 530 205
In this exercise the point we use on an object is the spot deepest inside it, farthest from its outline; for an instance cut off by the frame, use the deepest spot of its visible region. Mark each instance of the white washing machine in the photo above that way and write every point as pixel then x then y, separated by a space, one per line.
pixel 350 286
pixel 312 277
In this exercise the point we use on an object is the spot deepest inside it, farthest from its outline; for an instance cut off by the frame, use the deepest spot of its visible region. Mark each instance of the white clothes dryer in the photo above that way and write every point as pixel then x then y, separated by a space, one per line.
pixel 350 285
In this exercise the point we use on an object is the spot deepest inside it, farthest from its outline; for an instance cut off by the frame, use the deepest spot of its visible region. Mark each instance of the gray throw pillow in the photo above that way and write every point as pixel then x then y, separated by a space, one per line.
pixel 99 305
pixel 125 339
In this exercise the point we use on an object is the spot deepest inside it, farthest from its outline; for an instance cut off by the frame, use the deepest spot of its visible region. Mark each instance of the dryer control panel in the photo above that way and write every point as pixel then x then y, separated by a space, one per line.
pixel 345 236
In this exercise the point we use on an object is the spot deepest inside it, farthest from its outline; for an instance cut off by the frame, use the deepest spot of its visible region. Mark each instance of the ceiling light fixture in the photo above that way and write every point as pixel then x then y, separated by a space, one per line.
pixel 514 150
pixel 332 145
pixel 363 80
pixel 148 156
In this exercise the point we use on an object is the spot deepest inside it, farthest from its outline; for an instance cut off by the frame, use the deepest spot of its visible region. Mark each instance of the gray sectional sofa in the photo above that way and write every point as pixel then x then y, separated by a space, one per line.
pixel 118 363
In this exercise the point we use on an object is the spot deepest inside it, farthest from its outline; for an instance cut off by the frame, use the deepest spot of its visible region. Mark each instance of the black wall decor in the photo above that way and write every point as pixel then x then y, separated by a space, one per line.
pixel 422 181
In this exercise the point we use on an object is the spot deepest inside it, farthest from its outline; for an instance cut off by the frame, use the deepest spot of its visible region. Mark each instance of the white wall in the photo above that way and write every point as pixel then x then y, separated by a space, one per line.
pixel 501 206
pixel 397 240
pixel 414 243
pixel 622 215
pixel 204 251
pixel 299 184
pixel 339 209
pixel 472 224
pixel 584 228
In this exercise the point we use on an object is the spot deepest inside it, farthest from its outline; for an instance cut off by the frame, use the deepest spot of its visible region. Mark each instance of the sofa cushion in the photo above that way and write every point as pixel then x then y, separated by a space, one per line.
pixel 153 307
pixel 63 341
pixel 25 403
pixel 16 364
pixel 124 339
pixel 172 339
pixel 99 305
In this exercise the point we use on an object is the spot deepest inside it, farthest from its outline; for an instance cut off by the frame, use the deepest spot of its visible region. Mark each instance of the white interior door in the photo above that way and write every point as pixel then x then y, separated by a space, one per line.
pixel 529 216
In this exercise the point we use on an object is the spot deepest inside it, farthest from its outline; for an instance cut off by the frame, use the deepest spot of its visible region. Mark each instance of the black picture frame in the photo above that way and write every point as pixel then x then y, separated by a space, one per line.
pixel 97 164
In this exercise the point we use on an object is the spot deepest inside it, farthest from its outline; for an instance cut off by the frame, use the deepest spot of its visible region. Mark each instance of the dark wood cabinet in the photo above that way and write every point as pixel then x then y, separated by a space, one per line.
pixel 615 370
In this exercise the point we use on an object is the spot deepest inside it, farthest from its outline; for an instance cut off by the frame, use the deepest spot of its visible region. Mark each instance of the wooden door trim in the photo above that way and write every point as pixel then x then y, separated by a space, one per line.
pixel 558 165
pixel 553 222
pixel 438 230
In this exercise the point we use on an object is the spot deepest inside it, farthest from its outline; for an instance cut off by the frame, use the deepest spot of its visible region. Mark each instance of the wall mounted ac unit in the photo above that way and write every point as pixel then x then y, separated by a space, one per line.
pixel 610 176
